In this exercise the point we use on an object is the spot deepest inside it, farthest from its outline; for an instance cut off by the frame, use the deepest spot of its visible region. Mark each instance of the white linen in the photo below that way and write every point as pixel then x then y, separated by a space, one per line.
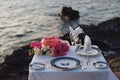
pixel 75 32
pixel 86 73
pixel 87 44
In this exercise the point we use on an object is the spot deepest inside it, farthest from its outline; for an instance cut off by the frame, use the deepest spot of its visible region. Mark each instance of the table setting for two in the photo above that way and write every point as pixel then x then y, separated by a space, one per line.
pixel 73 62
pixel 67 63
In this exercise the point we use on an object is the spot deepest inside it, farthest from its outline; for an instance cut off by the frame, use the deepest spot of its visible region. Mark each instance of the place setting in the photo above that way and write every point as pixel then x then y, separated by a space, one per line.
pixel 89 52
pixel 88 49
pixel 84 50
pixel 66 63
pixel 60 63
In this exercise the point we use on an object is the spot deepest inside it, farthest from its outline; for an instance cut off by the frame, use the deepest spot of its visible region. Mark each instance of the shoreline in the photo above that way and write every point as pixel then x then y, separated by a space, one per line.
pixel 105 34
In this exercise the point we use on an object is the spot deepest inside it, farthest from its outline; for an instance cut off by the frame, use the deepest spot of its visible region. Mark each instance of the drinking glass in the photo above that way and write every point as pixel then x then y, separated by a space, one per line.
pixel 72 40
pixel 88 57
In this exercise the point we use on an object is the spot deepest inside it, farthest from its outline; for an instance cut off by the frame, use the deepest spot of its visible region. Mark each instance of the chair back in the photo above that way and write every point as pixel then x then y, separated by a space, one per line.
pixel 115 64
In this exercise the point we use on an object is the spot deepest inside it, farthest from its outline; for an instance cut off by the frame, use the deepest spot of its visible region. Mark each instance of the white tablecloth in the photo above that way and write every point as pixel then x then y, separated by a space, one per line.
pixel 89 73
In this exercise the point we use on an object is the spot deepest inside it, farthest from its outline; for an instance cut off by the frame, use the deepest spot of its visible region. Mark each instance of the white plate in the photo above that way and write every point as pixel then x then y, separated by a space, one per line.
pixel 95 51
pixel 100 65
pixel 65 63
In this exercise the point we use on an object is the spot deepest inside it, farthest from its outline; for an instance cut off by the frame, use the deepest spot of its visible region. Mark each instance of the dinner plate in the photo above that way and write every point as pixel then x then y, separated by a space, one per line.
pixel 65 63
pixel 37 66
pixel 100 65
pixel 95 51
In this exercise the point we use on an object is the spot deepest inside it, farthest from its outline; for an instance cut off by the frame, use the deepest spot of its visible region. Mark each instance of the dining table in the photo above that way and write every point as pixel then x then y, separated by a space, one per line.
pixel 87 70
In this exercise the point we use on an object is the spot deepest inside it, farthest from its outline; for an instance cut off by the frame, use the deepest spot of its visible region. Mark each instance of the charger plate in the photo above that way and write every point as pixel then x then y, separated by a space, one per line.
pixel 95 51
pixel 65 63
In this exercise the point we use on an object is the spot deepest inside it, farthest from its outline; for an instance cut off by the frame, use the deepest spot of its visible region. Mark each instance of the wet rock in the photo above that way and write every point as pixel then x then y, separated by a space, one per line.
pixel 17 63
pixel 107 32
pixel 67 13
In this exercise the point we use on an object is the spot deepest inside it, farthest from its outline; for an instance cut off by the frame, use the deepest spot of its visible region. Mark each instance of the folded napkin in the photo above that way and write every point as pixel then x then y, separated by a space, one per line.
pixel 75 32
pixel 87 44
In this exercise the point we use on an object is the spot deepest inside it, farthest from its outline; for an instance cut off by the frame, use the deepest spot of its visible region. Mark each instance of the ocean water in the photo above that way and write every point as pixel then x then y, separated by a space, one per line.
pixel 22 21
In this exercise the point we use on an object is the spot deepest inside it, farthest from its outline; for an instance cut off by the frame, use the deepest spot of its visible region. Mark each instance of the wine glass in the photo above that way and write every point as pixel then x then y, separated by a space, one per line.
pixel 72 41
pixel 77 46
pixel 75 41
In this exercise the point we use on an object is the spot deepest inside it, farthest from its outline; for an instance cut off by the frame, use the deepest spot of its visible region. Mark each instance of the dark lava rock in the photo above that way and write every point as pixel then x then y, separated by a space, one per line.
pixel 67 13
pixel 17 63
pixel 107 32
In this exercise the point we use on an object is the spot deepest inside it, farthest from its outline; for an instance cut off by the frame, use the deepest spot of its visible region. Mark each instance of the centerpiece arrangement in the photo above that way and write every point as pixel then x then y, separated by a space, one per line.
pixel 52 46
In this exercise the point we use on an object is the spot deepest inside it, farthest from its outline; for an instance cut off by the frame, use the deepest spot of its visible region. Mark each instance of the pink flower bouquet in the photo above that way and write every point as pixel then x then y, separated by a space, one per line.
pixel 52 46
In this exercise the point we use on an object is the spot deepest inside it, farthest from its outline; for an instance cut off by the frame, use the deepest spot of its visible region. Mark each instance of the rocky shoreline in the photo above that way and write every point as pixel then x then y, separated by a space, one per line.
pixel 105 35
